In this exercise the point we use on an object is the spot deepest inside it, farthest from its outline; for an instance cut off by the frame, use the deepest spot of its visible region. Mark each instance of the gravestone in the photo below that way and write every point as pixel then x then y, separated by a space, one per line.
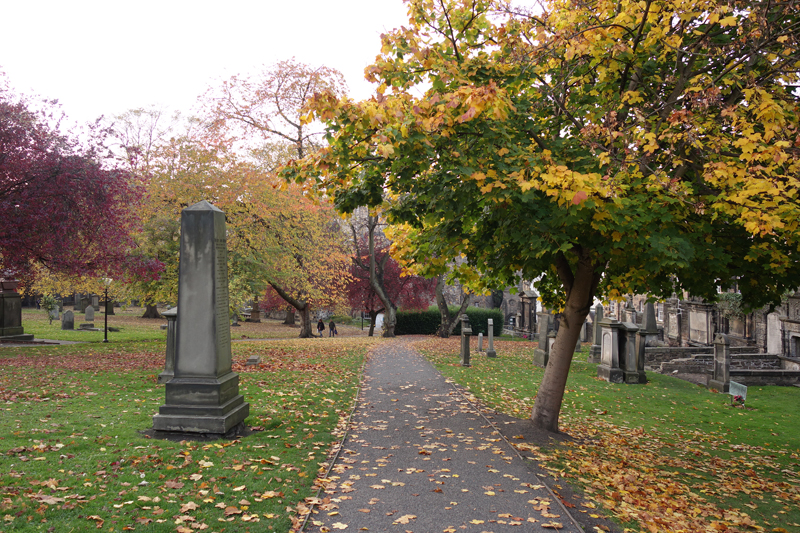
pixel 609 367
pixel 68 320
pixel 541 354
pixel 55 314
pixel 466 332
pixel 649 325
pixel 96 301
pixel 11 312
pixel 594 350
pixel 480 342
pixel 89 314
pixel 737 389
pixel 490 351
pixel 721 377
pixel 169 361
pixel 203 396
pixel 633 369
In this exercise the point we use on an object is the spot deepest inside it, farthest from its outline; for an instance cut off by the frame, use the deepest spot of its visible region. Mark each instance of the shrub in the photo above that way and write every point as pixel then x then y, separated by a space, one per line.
pixel 427 322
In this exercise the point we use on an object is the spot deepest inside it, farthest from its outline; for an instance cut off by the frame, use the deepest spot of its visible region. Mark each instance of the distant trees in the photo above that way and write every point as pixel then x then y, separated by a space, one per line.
pixel 64 208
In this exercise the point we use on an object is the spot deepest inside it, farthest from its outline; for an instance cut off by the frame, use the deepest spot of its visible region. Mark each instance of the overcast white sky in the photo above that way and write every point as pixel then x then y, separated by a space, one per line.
pixel 105 57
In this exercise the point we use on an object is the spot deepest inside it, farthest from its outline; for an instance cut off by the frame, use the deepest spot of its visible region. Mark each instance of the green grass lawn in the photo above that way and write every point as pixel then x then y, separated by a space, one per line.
pixel 657 455
pixel 73 456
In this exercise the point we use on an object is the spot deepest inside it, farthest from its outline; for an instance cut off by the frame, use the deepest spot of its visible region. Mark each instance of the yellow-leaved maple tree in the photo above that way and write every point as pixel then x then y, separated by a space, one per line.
pixel 604 148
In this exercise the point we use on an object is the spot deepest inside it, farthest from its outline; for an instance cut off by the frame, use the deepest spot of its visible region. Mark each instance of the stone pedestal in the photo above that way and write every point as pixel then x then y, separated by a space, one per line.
pixel 649 325
pixel 541 354
pixel 11 312
pixel 169 362
pixel 203 396
pixel 466 332
pixel 594 350
pixel 490 351
pixel 721 379
pixel 609 367
pixel 630 355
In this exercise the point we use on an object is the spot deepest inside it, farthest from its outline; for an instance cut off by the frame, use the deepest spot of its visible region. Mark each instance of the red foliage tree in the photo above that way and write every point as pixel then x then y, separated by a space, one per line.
pixel 60 206
pixel 406 292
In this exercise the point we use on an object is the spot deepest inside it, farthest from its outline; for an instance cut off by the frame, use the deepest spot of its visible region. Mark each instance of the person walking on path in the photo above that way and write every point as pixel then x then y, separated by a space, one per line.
pixel 332 329
pixel 320 327
pixel 420 458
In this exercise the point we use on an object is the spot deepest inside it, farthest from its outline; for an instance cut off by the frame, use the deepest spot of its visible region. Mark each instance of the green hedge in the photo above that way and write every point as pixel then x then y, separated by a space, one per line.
pixel 427 322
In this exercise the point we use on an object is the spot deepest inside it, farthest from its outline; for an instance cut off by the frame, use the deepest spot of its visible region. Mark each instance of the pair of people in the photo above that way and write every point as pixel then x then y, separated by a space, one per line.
pixel 331 328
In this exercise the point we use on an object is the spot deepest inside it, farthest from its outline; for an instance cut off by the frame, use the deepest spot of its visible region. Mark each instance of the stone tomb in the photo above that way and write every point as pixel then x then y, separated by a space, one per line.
pixel 621 352
pixel 11 312
pixel 203 396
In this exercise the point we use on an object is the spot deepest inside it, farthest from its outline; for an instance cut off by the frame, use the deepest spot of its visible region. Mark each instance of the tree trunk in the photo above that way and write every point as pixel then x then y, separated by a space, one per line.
pixel 376 282
pixel 151 311
pixel 289 320
pixel 580 289
pixel 303 308
pixel 448 322
pixel 305 322
pixel 373 315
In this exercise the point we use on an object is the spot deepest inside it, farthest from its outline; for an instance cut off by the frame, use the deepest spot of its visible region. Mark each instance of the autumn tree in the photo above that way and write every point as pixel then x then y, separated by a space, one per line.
pixel 378 283
pixel 64 209
pixel 603 148
pixel 264 113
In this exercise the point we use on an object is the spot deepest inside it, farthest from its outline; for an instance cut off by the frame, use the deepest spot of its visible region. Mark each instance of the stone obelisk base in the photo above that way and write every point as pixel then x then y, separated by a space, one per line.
pixel 202 405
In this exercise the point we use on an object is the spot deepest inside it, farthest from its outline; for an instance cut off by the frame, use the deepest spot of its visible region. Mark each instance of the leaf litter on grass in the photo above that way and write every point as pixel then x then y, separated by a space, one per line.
pixel 93 469
pixel 667 474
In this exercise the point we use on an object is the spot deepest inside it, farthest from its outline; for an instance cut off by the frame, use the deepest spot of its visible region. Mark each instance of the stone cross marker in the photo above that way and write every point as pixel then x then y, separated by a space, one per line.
pixel 89 314
pixel 68 321
pixel 490 351
pixel 203 396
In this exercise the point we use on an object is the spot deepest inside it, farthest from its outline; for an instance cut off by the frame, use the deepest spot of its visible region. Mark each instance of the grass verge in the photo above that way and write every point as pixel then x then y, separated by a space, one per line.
pixel 73 458
pixel 665 456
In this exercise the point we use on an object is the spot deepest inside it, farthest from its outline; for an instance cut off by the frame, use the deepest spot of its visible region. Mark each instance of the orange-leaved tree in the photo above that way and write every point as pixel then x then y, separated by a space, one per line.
pixel 604 148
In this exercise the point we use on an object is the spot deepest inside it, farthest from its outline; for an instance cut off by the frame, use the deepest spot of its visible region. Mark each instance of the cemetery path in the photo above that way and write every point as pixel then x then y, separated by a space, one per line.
pixel 420 458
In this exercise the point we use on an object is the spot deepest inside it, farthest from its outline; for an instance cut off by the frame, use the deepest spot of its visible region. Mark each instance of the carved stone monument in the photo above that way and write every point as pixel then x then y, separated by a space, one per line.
pixel 466 332
pixel 490 351
pixel 169 362
pixel 594 350
pixel 68 320
pixel 721 379
pixel 203 396
pixel 609 367
pixel 11 312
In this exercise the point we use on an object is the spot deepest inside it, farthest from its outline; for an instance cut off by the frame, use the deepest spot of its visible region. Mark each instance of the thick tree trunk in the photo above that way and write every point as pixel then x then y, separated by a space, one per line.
pixel 151 311
pixel 373 316
pixel 289 320
pixel 448 322
pixel 580 289
pixel 305 322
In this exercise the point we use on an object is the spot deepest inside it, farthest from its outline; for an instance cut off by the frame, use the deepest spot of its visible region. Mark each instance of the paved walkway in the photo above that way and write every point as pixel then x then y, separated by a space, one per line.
pixel 419 458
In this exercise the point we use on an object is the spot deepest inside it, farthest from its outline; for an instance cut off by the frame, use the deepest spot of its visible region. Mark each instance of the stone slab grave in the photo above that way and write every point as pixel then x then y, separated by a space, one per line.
pixel 737 389
pixel 203 395
pixel 89 316
pixel 11 312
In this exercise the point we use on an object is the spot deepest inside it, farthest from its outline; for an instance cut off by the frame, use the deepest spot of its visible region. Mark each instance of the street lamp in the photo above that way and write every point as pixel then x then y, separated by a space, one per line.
pixel 107 283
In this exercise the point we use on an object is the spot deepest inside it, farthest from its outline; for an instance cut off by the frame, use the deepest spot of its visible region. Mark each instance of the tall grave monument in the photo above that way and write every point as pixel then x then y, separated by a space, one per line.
pixel 203 395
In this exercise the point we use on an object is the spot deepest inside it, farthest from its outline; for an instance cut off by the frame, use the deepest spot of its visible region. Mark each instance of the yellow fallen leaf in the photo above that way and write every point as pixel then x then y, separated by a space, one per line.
pixel 339 525
pixel 405 519
pixel 553 525
pixel 476 521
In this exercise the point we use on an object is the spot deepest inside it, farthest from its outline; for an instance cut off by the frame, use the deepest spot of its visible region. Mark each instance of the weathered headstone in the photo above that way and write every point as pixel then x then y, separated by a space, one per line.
pixel 594 350
pixel 89 314
pixel 737 389
pixel 630 358
pixel 55 314
pixel 721 378
pixel 203 396
pixel 96 301
pixel 480 341
pixel 169 362
pixel 649 324
pixel 253 360
pixel 466 332
pixel 609 367
pixel 541 354
pixel 11 312
pixel 490 351
pixel 68 320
